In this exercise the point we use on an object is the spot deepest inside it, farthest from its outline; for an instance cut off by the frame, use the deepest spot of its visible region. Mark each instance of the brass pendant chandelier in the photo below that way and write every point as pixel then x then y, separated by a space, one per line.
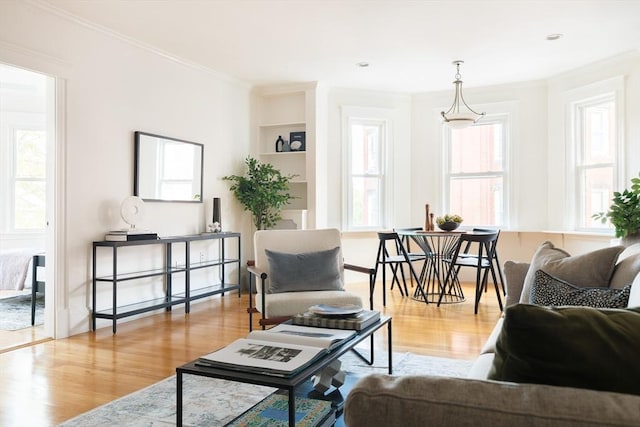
pixel 455 117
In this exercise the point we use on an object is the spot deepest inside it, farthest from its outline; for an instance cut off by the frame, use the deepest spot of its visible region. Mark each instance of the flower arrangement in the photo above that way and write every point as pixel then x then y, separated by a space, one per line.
pixel 449 218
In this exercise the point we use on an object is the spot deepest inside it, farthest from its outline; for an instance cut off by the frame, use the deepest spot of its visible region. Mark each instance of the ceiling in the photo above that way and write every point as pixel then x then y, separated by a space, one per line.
pixel 409 45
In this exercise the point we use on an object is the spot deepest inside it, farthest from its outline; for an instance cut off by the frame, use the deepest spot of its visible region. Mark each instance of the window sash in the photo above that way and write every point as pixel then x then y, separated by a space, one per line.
pixel 596 158
pixel 489 182
pixel 366 174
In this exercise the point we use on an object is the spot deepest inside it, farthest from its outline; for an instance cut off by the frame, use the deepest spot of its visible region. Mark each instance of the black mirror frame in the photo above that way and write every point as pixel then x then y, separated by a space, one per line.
pixel 136 167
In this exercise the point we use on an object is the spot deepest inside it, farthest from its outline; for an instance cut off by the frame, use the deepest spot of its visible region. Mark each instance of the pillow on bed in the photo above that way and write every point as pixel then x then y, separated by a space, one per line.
pixel 309 271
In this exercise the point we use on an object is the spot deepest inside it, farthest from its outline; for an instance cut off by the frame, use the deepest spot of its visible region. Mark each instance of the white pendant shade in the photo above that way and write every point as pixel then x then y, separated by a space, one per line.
pixel 459 115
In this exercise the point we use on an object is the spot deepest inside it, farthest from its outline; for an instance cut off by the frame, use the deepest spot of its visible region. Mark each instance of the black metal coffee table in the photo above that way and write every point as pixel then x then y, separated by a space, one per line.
pixel 286 383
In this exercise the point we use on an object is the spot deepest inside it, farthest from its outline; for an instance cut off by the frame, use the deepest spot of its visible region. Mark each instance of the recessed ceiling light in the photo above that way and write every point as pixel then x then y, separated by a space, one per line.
pixel 362 64
pixel 555 36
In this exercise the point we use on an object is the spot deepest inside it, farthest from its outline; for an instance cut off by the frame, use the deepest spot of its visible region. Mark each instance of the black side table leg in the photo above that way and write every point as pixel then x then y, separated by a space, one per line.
pixel 292 408
pixel 390 345
pixel 179 399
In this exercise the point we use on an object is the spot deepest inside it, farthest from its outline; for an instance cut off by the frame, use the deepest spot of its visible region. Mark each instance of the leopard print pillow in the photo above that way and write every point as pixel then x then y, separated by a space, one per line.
pixel 549 291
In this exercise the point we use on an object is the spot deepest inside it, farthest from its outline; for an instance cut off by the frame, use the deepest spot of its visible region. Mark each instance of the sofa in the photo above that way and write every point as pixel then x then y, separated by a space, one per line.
pixel 535 368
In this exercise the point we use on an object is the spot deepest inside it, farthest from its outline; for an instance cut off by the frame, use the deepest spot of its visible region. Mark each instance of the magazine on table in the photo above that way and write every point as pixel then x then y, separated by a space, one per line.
pixel 304 335
pixel 283 350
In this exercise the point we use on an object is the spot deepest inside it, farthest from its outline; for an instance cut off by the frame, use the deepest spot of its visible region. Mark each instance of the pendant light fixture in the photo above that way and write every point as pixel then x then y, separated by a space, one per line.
pixel 455 117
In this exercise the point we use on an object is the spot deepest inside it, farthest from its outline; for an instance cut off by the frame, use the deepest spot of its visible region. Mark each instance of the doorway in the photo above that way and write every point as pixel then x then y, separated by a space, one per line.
pixel 27 144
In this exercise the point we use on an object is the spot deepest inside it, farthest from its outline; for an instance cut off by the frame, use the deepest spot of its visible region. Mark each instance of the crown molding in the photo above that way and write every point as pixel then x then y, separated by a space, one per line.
pixel 133 42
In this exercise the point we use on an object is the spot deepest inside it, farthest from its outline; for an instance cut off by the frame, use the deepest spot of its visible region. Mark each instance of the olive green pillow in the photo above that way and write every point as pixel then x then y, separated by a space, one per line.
pixel 579 347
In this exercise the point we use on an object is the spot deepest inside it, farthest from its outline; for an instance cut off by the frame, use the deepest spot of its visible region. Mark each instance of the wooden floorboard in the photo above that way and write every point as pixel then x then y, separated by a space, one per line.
pixel 50 382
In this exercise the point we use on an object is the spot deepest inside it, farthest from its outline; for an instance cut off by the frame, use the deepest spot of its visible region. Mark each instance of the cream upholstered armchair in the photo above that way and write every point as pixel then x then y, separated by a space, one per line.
pixel 296 269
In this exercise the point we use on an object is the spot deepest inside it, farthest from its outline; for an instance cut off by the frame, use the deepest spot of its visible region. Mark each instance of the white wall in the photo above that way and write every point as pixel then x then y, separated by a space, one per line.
pixel 626 66
pixel 536 159
pixel 113 88
pixel 526 103
pixel 399 107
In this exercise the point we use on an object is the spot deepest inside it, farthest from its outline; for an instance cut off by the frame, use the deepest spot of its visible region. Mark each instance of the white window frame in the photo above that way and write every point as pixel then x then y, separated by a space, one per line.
pixel 13 178
pixel 371 116
pixel 498 118
pixel 610 89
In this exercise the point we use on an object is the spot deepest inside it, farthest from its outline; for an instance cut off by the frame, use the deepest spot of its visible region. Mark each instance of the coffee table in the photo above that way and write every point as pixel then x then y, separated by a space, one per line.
pixel 290 384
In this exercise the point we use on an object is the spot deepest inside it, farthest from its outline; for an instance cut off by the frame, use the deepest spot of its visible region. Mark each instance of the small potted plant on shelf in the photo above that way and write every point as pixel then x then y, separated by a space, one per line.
pixel 263 191
pixel 624 213
pixel 449 222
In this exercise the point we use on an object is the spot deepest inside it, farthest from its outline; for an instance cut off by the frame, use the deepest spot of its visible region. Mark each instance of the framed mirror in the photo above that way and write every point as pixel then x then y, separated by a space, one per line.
pixel 167 169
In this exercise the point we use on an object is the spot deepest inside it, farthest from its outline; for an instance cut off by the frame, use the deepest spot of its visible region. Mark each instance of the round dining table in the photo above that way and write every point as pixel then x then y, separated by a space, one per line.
pixel 438 246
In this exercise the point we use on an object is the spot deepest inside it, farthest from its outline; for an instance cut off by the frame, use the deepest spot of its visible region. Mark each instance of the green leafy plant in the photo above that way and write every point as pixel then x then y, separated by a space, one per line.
pixel 263 191
pixel 449 218
pixel 624 212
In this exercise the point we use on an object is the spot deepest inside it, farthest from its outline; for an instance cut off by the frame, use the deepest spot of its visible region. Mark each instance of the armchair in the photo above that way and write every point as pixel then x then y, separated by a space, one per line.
pixel 293 270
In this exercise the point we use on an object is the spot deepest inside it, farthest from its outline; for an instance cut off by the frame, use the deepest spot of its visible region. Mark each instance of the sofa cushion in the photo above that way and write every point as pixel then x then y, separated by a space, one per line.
pixel 634 295
pixel 406 401
pixel 514 275
pixel 309 271
pixel 548 290
pixel 627 267
pixel 288 303
pixel 593 269
pixel 580 347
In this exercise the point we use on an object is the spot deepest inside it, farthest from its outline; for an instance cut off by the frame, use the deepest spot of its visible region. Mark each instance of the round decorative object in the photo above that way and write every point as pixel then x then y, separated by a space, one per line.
pixel 132 210
pixel 295 145
pixel 448 226
pixel 335 310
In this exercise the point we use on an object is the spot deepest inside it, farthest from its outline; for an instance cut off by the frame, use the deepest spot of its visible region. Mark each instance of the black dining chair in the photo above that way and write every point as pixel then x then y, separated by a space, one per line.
pixel 392 253
pixel 419 256
pixel 482 259
pixel 494 259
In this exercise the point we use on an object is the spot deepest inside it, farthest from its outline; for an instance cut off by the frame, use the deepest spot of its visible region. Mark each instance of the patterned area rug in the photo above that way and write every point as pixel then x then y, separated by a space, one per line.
pixel 213 402
pixel 15 312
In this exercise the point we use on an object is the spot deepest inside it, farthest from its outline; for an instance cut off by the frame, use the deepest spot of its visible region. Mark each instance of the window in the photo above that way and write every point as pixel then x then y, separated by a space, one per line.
pixel 29 180
pixel 365 173
pixel 475 172
pixel 596 157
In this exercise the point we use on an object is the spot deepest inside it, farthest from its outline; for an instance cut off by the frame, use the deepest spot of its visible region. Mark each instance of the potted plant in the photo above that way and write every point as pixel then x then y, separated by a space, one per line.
pixel 263 191
pixel 624 212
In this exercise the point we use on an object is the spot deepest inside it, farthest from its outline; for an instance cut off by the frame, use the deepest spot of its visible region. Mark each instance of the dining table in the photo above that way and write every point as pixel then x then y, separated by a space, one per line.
pixel 438 246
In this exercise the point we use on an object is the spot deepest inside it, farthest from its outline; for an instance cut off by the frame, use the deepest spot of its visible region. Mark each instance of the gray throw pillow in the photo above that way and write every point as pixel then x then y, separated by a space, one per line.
pixel 547 290
pixel 309 271
pixel 592 269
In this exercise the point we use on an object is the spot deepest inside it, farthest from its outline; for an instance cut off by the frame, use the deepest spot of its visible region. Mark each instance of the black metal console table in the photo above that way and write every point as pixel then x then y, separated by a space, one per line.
pixel 169 269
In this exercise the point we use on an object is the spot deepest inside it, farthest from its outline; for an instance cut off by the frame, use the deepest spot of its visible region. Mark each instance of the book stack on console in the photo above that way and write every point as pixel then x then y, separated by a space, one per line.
pixel 130 235
pixel 357 321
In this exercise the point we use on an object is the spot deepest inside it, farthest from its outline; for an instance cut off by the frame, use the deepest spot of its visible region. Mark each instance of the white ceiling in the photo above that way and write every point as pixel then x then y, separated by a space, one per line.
pixel 409 44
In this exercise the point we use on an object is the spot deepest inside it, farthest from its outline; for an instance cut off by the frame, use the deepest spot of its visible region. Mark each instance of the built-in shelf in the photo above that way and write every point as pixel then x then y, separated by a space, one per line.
pixel 279 111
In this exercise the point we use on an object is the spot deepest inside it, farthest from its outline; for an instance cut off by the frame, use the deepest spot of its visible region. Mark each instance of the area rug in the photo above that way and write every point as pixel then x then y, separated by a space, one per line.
pixel 15 312
pixel 213 402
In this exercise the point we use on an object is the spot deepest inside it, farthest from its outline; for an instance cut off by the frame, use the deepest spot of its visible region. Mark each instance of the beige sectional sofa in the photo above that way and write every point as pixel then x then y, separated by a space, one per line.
pixel 381 400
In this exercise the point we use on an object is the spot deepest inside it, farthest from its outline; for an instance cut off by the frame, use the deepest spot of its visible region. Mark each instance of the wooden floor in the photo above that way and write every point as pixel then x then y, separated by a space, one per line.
pixel 50 382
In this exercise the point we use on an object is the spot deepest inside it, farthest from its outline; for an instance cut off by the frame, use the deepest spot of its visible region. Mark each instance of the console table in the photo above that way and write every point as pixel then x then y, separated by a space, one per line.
pixel 167 273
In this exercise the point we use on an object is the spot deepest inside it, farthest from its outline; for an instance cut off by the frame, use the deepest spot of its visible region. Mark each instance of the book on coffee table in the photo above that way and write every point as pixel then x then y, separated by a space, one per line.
pixel 282 351
pixel 273 411
pixel 357 322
